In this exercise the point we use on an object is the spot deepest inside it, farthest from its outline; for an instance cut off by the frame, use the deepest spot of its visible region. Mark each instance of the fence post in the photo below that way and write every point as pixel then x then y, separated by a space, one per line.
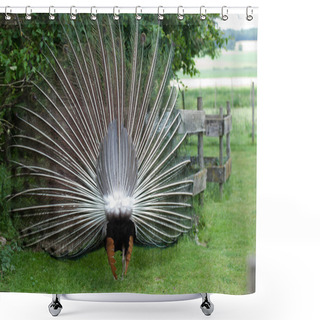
pixel 228 134
pixel 221 152
pixel 183 101
pixel 200 147
pixel 252 103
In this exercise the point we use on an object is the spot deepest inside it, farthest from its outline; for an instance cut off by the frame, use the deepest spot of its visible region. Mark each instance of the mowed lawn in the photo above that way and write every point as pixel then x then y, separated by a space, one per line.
pixel 226 230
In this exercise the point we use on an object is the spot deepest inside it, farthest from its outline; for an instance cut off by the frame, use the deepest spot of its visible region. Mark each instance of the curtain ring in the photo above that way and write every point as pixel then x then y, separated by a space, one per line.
pixel 203 14
pixel 116 15
pixel 73 15
pixel 138 16
pixel 6 14
pixel 224 13
pixel 180 14
pixel 52 11
pixel 160 15
pixel 249 16
pixel 28 13
pixel 93 16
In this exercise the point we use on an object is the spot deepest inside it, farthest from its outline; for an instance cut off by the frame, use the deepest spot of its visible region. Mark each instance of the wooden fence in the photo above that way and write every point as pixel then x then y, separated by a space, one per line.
pixel 211 169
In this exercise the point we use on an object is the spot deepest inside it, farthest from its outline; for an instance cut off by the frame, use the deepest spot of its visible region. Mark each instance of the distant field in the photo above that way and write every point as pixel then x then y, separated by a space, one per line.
pixel 228 64
pixel 231 59
pixel 223 73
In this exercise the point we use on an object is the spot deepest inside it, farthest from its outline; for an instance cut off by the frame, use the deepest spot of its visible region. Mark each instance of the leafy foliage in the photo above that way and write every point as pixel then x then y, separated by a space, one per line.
pixel 6 255
pixel 193 38
pixel 22 43
pixel 21 46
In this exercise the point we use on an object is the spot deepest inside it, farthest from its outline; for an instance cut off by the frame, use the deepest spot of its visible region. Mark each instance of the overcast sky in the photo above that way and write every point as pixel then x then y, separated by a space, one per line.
pixel 238 22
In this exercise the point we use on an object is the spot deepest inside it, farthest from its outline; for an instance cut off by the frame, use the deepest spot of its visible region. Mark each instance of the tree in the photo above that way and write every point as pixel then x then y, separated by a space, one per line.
pixel 21 44
pixel 193 37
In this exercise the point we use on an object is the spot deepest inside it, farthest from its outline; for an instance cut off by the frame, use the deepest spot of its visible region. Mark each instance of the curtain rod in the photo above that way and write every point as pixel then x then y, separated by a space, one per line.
pixel 181 10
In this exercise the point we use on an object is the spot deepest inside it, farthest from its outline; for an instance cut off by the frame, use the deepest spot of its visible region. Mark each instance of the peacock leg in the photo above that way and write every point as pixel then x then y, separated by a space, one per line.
pixel 111 259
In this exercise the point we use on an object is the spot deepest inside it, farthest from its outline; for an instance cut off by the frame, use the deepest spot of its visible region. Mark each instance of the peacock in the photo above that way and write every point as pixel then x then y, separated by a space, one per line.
pixel 102 162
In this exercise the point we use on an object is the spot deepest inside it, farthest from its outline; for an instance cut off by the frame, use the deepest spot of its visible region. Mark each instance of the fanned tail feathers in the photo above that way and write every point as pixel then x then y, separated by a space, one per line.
pixel 102 140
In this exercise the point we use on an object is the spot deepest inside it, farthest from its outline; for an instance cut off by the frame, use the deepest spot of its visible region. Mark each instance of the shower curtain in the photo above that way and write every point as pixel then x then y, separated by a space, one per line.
pixel 128 153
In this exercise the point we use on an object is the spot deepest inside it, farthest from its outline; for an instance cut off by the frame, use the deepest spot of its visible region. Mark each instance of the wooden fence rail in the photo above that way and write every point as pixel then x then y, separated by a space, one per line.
pixel 211 169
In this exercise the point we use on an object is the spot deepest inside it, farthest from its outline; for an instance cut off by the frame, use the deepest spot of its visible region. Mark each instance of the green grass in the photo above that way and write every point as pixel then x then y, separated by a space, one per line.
pixel 237 58
pixel 226 228
pixel 240 97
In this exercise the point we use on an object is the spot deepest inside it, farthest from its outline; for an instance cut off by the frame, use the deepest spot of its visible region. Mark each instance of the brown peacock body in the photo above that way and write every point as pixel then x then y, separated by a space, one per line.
pixel 101 142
